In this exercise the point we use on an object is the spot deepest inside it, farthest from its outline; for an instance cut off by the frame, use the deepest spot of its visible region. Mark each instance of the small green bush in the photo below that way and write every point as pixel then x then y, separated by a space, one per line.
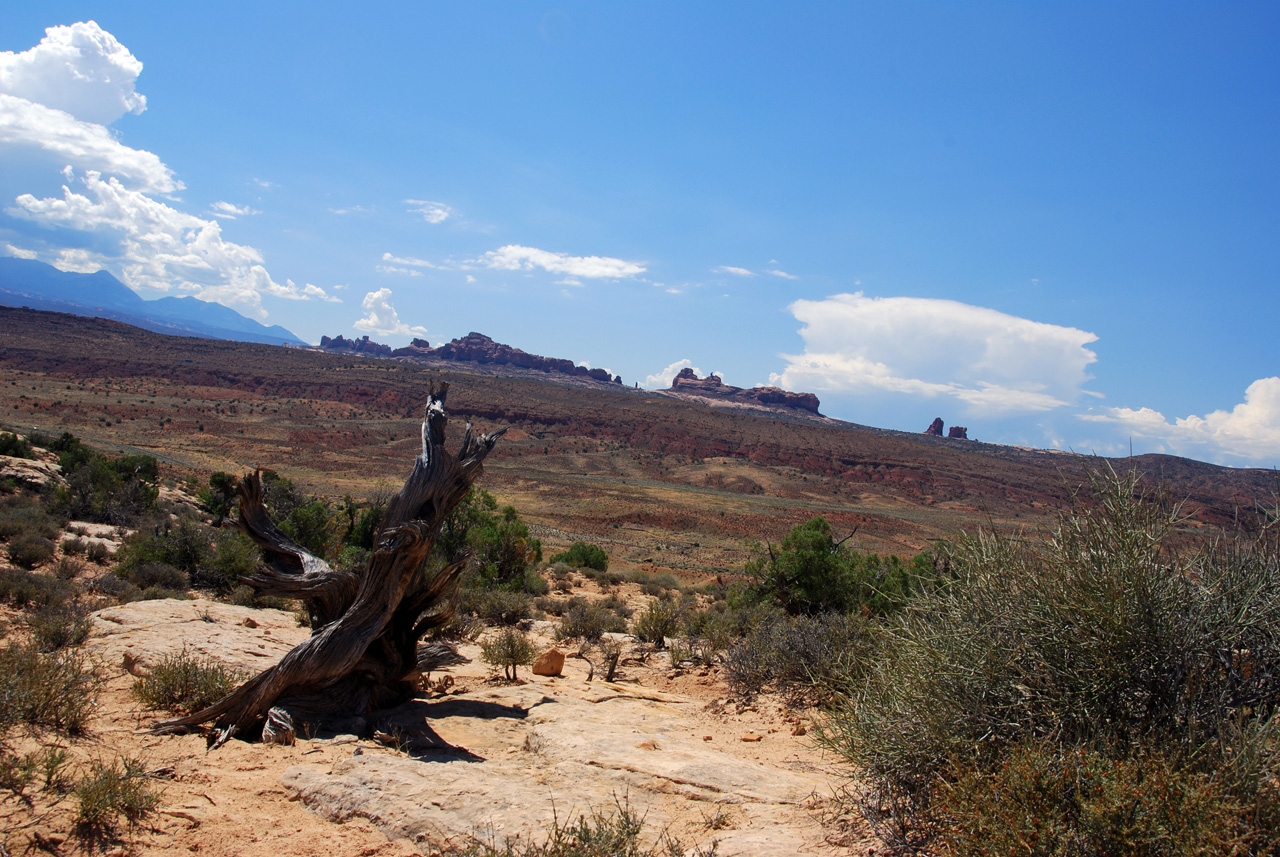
pixel 589 621
pixel 54 690
pixel 809 660
pixel 157 575
pixel 183 683
pixel 14 446
pixel 61 627
pixel 97 553
pixel 20 514
pixel 111 792
pixel 509 649
pixel 495 606
pixel 658 622
pixel 22 588
pixel 74 546
pixel 584 554
pixel 28 550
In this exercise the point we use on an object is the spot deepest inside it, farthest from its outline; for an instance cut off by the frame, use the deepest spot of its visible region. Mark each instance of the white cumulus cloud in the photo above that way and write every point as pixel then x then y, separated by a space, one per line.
pixel 783 274
pixel 996 364
pixel 662 380
pixel 56 101
pixel 228 211
pixel 79 69
pixel 381 317
pixel 737 272
pixel 154 246
pixel 1248 433
pixel 432 212
pixel 57 138
pixel 514 257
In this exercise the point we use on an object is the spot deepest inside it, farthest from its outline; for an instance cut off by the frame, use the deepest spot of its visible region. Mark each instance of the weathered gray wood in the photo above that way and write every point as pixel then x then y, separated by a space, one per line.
pixel 363 651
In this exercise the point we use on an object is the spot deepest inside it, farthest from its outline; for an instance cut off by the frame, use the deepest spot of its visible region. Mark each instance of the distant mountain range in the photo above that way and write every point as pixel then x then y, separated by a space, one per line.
pixel 26 282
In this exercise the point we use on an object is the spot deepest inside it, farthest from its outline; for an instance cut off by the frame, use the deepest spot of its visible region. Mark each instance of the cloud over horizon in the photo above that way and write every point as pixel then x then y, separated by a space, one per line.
pixel 56 100
pixel 662 380
pixel 381 317
pixel 1249 432
pixel 993 363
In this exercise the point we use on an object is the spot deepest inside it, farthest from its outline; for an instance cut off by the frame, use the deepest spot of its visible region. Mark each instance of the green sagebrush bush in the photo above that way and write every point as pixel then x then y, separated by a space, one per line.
pixel 112 791
pixel 587 620
pixel 583 555
pixel 507 650
pixel 809 660
pixel 812 573
pixel 184 682
pixel 1111 642
pixel 14 446
pixel 53 690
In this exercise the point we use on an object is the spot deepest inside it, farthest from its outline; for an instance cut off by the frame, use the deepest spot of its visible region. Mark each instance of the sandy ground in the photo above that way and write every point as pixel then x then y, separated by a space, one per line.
pixel 231 801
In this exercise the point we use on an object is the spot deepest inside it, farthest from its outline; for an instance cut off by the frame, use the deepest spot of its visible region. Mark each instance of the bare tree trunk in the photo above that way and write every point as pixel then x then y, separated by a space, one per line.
pixel 366 626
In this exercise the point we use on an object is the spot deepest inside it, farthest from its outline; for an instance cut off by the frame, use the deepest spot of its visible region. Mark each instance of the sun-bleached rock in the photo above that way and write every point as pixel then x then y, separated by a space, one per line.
pixel 149 631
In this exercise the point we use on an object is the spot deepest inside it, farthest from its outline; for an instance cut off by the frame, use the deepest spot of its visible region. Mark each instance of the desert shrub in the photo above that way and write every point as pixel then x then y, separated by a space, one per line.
pixel 54 690
pixel 28 550
pixel 14 446
pixel 113 490
pixel 503 550
pixel 584 554
pixel 219 498
pixel 807 659
pixel 601 833
pixel 60 627
pixel 1042 801
pixel 306 520
pixel 1108 643
pixel 183 683
pixel 154 575
pixel 811 573
pixel 68 568
pixel 234 556
pixel 507 650
pixel 617 606
pixel 97 553
pixel 495 606
pixel 116 588
pixel 658 622
pixel 22 588
pixel 23 515
pixel 181 544
pixel 588 621
pixel 74 546
pixel 111 792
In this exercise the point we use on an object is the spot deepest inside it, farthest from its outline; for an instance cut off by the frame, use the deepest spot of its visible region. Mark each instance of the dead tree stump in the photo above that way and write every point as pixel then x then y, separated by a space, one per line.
pixel 363 652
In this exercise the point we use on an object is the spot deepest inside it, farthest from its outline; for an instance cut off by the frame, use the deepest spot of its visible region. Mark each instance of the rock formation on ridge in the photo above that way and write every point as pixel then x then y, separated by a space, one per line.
pixel 712 387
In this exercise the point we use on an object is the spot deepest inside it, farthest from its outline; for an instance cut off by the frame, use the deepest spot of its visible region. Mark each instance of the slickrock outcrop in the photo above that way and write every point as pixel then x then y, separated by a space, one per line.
pixel 472 348
pixel 935 427
pixel 416 348
pixel 478 348
pixel 364 345
pixel 713 387
pixel 30 473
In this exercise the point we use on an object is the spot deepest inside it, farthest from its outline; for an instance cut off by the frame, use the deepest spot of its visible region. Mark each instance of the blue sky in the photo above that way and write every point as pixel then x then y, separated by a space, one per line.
pixel 1056 224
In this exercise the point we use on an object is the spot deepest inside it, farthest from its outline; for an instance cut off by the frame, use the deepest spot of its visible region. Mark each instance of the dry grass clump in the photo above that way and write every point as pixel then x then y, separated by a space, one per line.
pixel 1109 690
pixel 183 683
pixel 110 792
pixel 53 690
pixel 602 833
